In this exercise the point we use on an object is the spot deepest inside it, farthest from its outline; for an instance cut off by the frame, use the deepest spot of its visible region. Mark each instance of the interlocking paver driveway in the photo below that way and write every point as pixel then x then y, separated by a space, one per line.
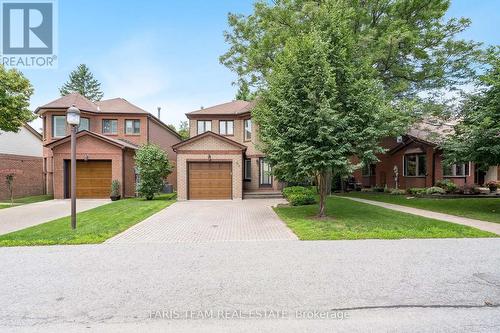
pixel 206 221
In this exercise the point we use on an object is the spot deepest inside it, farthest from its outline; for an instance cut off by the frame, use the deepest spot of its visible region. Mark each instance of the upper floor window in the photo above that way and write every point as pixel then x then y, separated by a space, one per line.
pixel 226 127
pixel 456 170
pixel 248 130
pixel 204 126
pixel 84 124
pixel 58 126
pixel 132 126
pixel 415 165
pixel 109 126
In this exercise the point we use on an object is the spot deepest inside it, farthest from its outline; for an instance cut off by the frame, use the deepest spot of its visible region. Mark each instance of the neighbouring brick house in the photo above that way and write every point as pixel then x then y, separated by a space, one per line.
pixel 21 155
pixel 220 160
pixel 417 157
pixel 109 134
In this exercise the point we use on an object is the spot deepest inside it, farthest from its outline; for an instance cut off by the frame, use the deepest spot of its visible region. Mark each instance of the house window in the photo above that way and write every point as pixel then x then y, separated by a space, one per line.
pixel 110 126
pixel 132 126
pixel 368 170
pixel 456 170
pixel 248 130
pixel 58 126
pixel 226 127
pixel 415 165
pixel 265 172
pixel 204 126
pixel 84 124
pixel 248 169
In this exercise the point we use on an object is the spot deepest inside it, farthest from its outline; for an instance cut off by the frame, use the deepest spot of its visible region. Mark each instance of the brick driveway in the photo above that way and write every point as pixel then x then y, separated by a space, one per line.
pixel 207 221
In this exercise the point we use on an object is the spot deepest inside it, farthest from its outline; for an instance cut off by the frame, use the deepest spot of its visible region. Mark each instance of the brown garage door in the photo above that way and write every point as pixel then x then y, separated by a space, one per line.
pixel 209 180
pixel 93 179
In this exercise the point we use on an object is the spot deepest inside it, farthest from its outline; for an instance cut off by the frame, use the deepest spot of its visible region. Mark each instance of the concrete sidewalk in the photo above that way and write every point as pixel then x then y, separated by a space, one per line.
pixel 24 216
pixel 478 224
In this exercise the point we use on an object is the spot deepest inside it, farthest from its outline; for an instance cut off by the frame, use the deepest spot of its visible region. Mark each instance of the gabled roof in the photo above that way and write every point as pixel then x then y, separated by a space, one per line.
pixel 119 105
pixel 68 100
pixel 206 134
pixel 116 142
pixel 432 129
pixel 114 105
pixel 231 108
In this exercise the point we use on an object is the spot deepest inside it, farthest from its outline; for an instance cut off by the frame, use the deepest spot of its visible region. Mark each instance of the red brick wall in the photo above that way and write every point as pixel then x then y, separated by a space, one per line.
pixel 384 174
pixel 163 138
pixel 88 148
pixel 29 178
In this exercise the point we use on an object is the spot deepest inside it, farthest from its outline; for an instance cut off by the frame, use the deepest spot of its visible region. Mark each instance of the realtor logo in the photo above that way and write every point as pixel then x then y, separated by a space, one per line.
pixel 28 33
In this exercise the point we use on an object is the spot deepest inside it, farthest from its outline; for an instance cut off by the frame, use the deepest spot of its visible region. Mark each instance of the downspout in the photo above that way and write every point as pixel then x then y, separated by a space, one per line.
pixel 433 167
pixel 149 119
pixel 123 173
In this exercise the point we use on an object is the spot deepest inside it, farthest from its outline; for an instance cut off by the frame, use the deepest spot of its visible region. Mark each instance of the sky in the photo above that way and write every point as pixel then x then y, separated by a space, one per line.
pixel 166 53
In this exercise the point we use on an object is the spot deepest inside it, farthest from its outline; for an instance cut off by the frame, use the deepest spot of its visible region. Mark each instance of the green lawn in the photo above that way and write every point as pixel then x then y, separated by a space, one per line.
pixel 26 200
pixel 93 226
pixel 486 209
pixel 354 220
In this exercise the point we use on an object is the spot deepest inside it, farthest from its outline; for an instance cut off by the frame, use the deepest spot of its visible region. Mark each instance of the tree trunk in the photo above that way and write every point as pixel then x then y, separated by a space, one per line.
pixel 329 179
pixel 323 181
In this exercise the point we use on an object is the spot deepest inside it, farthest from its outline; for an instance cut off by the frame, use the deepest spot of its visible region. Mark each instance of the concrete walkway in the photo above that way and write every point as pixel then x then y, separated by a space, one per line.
pixel 24 216
pixel 209 221
pixel 478 224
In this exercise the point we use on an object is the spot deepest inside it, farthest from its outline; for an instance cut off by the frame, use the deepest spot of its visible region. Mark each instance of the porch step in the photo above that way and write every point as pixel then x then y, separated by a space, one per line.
pixel 262 195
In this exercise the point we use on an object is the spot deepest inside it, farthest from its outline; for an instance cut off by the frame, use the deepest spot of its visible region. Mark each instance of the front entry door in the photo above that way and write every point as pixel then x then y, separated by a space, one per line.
pixel 265 178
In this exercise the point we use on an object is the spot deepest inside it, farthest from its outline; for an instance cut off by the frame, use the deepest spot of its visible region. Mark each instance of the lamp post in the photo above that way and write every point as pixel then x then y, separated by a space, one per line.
pixel 73 119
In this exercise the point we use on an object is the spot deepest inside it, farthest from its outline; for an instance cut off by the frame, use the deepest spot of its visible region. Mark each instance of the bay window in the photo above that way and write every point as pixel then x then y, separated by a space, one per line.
pixel 247 136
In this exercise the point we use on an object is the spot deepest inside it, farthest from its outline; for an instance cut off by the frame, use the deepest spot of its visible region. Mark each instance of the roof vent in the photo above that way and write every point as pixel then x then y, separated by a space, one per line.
pixel 98 108
pixel 159 110
pixel 399 139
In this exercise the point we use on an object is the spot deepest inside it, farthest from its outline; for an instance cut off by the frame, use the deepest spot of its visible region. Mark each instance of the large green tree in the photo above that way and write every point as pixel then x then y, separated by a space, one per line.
pixel 15 93
pixel 477 135
pixel 82 81
pixel 410 44
pixel 321 106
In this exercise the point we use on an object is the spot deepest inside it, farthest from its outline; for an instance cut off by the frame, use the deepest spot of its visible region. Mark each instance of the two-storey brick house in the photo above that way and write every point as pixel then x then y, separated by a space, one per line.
pixel 110 132
pixel 221 159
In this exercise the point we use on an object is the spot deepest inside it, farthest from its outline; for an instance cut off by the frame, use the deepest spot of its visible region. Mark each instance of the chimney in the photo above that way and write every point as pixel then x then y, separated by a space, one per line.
pixel 159 109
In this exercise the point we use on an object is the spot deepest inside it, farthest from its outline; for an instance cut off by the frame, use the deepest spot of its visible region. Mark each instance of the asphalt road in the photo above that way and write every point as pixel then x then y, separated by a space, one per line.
pixel 403 285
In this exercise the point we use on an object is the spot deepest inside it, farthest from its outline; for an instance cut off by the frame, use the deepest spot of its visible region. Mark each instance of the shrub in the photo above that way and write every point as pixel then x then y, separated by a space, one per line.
pixel 416 191
pixel 398 192
pixel 366 190
pixel 378 189
pixel 287 191
pixel 299 195
pixel 435 190
pixel 493 185
pixel 447 185
pixel 115 188
pixel 300 199
pixel 152 166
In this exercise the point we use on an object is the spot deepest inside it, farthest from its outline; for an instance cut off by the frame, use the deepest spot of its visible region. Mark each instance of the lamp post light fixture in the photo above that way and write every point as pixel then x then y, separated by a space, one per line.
pixel 73 119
